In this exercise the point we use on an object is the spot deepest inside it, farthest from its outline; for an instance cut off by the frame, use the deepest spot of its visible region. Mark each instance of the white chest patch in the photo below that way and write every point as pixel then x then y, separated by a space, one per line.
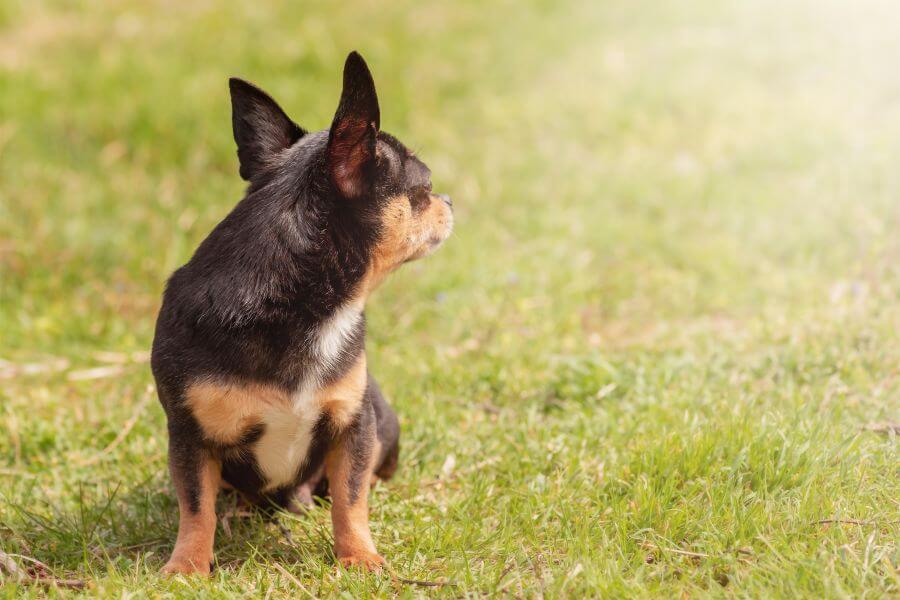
pixel 334 333
pixel 284 445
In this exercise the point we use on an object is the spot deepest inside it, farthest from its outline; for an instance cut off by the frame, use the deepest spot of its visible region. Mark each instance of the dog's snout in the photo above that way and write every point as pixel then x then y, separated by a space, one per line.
pixel 446 199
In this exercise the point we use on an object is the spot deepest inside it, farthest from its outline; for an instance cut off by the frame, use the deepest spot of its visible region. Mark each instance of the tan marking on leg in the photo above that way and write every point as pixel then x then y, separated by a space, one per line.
pixel 193 551
pixel 225 411
pixel 341 399
pixel 353 543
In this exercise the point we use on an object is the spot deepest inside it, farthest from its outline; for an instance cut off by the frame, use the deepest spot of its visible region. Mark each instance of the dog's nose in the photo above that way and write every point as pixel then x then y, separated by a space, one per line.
pixel 446 199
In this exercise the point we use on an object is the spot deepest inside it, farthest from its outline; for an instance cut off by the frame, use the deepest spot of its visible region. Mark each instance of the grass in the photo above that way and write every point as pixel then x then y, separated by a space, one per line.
pixel 643 365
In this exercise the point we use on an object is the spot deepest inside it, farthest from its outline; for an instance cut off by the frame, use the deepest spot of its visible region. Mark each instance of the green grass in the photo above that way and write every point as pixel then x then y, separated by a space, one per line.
pixel 642 366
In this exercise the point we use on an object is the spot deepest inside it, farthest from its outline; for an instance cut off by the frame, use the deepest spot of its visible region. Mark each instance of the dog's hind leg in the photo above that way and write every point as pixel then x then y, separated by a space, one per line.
pixel 388 429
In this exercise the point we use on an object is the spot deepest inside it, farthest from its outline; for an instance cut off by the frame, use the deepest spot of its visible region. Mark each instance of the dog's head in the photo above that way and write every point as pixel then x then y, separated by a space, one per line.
pixel 353 189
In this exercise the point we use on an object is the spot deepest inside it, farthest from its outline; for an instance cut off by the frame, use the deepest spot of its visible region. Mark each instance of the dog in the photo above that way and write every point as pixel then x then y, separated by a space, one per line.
pixel 259 352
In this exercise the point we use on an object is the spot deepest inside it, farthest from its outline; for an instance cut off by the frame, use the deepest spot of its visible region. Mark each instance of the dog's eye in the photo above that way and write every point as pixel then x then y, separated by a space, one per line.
pixel 418 198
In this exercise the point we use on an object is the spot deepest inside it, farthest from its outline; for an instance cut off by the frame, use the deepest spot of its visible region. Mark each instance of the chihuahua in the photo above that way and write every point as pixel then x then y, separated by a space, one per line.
pixel 259 353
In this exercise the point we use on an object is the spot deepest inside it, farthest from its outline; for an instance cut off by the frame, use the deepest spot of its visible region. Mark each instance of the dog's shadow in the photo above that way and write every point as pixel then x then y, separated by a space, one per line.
pixel 94 530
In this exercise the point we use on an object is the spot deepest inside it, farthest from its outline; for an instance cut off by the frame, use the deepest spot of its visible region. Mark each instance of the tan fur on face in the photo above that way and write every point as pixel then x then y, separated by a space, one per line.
pixel 406 236
pixel 226 411
pixel 342 398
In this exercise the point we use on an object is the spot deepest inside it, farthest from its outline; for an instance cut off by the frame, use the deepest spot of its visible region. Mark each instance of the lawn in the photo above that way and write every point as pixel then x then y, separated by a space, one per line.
pixel 659 357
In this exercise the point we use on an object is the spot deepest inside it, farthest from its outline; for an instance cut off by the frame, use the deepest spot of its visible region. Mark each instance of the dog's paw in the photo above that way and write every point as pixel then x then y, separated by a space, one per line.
pixel 366 560
pixel 187 566
pixel 302 500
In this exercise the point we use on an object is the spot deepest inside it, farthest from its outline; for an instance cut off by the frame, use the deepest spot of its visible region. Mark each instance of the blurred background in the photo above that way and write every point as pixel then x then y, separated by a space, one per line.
pixel 667 319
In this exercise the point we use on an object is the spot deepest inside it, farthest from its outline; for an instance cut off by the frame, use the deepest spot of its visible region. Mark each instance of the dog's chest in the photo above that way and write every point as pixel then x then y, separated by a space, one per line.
pixel 290 427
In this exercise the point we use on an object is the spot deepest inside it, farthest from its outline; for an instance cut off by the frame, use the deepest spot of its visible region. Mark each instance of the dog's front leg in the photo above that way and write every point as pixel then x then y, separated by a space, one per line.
pixel 197 477
pixel 349 466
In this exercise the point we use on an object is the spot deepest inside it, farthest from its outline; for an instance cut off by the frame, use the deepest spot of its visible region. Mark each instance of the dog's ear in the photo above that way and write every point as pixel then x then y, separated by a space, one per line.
pixel 261 128
pixel 354 131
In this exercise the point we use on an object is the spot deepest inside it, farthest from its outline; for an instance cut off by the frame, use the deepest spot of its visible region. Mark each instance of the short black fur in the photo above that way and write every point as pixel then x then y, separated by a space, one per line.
pixel 292 251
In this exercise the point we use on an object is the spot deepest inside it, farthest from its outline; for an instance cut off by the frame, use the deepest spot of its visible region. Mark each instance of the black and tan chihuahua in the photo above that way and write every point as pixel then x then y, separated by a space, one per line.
pixel 259 353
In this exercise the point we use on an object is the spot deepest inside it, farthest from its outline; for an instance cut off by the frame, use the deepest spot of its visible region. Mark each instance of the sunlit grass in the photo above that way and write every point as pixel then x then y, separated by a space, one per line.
pixel 643 365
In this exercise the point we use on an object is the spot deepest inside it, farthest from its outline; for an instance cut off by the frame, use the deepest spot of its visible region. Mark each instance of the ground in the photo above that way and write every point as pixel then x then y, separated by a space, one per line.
pixel 660 356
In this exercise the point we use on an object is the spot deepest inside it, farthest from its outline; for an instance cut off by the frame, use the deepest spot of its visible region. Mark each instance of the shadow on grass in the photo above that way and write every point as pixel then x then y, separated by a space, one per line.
pixel 95 530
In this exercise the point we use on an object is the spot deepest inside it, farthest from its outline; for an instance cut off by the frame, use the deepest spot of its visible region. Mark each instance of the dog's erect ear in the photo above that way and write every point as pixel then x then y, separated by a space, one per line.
pixel 261 129
pixel 354 132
